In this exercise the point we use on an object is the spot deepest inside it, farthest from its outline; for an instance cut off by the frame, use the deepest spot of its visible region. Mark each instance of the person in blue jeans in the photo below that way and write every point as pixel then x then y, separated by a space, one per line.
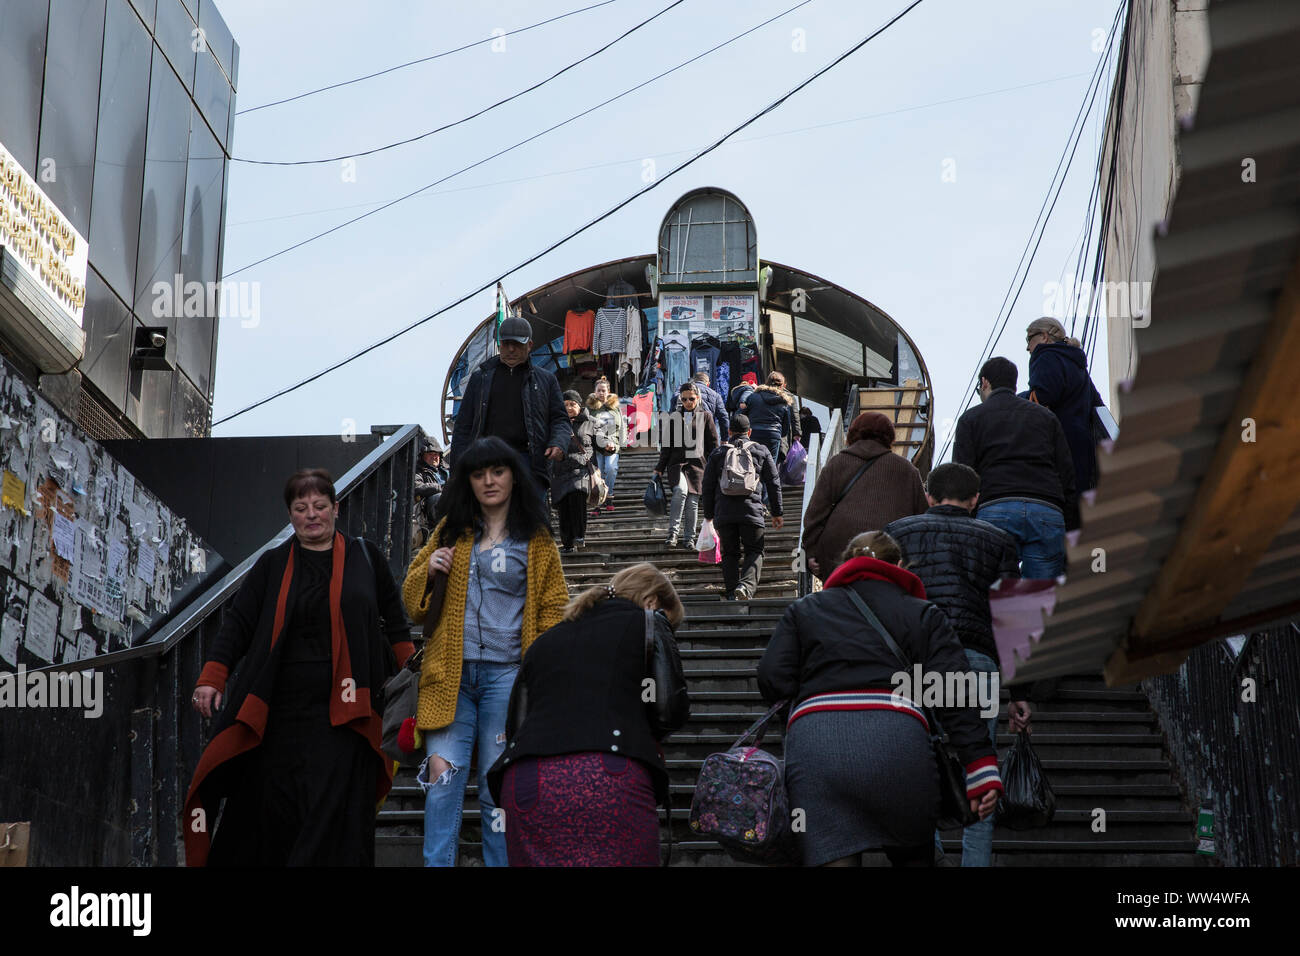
pixel 1039 530
pixel 1026 474
pixel 504 587
pixel 611 434
pixel 958 558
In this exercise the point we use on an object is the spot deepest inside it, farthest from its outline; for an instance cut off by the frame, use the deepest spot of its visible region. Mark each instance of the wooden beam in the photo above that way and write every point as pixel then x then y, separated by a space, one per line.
pixel 1249 491
pixel 1121 669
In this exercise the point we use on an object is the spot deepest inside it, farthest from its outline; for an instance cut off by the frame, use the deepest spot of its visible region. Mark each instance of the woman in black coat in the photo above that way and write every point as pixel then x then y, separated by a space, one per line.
pixel 315 630
pixel 771 415
pixel 858 759
pixel 1059 380
pixel 571 475
pixel 583 771
pixel 687 442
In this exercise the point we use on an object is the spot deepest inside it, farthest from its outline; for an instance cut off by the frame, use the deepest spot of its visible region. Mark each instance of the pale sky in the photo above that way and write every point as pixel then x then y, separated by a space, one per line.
pixel 845 180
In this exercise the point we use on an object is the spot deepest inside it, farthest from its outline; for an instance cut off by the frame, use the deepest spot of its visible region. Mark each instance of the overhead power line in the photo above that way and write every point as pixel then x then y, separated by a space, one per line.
pixel 423 59
pixel 522 142
pixel 1039 229
pixel 464 119
pixel 775 104
pixel 641 157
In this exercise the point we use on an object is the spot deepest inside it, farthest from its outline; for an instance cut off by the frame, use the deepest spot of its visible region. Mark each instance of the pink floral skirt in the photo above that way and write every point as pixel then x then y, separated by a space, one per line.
pixel 584 809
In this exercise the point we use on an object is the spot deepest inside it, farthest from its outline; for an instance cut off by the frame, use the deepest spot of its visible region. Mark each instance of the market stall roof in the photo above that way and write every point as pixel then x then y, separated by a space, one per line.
pixel 823 310
pixel 1195 514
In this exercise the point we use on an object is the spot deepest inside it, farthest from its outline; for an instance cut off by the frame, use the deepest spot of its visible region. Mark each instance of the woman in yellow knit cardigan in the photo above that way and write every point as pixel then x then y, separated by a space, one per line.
pixel 505 586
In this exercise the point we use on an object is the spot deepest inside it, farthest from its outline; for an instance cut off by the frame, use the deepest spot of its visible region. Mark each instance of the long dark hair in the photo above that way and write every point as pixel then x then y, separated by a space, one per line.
pixel 526 513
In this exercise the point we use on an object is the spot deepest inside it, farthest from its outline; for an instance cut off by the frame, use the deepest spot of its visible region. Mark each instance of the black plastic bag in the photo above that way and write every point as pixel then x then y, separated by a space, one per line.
pixel 1028 800
pixel 656 497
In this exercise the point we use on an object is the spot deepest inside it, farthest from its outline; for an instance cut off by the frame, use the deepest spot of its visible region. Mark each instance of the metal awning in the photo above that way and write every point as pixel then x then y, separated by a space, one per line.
pixel 1221 323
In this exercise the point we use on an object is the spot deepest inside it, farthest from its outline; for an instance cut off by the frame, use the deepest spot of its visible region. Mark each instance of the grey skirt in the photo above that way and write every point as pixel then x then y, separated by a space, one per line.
pixel 865 779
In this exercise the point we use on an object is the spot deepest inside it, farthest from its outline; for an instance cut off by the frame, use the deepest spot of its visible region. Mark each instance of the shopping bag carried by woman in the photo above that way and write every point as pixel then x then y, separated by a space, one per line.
pixel 795 464
pixel 740 799
pixel 656 497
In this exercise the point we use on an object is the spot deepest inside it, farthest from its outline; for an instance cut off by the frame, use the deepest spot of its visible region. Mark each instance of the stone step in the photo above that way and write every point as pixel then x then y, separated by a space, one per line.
pixel 1079 723
pixel 406 851
pixel 1080 799
pixel 1064 772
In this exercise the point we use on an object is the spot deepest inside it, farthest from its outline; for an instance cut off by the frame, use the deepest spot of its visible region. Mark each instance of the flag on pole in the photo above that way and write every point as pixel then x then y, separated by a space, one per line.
pixel 503 305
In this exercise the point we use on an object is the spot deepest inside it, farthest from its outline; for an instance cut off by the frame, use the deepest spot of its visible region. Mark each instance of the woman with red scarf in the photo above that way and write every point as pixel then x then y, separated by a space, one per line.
pixel 858 759
pixel 316 629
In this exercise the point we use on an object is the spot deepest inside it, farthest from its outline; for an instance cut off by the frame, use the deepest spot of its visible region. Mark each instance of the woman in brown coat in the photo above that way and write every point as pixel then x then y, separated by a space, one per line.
pixel 887 487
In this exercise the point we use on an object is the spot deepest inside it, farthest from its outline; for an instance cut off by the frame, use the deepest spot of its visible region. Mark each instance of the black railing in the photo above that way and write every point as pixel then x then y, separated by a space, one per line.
pixel 820 450
pixel 376 500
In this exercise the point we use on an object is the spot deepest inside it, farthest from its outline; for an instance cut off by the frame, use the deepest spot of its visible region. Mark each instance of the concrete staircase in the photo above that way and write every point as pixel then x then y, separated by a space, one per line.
pixel 1101 746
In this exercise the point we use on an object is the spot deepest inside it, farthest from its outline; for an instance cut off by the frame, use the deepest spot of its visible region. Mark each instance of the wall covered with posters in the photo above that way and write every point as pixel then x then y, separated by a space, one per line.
pixel 90 561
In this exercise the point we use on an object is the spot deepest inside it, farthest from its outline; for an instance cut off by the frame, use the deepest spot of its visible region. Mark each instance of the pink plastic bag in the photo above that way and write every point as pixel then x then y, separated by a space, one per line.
pixel 714 556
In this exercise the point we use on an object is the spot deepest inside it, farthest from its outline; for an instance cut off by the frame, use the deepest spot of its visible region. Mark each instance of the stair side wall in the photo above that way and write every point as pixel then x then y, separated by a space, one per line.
pixel 1240 755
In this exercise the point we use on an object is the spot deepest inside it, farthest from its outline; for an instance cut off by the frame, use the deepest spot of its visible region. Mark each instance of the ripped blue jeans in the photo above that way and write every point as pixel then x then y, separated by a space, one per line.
pixel 480 717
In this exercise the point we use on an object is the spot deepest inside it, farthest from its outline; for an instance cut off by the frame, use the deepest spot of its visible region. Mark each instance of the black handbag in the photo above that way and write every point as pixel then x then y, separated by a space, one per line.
pixel 954 806
pixel 670 706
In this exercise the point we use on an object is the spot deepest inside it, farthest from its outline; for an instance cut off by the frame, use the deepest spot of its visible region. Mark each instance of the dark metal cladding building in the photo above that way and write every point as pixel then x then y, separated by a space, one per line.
pixel 121 113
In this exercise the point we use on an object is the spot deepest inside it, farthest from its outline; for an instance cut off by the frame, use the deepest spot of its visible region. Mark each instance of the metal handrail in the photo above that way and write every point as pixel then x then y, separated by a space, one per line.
pixel 819 453
pixel 210 600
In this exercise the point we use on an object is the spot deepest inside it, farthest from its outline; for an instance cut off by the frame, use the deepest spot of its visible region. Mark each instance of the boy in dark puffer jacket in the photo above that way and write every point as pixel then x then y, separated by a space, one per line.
pixel 958 558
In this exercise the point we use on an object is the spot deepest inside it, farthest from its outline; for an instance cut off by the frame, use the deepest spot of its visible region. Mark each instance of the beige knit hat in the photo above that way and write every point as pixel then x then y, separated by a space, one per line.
pixel 1048 326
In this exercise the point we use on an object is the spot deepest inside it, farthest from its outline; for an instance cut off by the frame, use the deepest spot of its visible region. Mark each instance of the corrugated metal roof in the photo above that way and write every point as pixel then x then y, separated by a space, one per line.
pixel 1221 259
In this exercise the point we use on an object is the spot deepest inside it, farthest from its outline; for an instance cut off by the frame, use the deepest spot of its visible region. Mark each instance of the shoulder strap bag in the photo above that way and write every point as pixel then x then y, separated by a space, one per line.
pixel 853 481
pixel 665 711
pixel 954 808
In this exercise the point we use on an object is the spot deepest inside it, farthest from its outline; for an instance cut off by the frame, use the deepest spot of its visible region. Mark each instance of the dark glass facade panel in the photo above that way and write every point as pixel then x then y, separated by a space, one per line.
pixel 163 206
pixel 175 34
pixel 199 241
pixel 212 93
pixel 190 411
pixel 216 34
pixel 22 66
pixel 119 149
pixel 147 9
pixel 69 116
pixel 154 412
pixel 108 340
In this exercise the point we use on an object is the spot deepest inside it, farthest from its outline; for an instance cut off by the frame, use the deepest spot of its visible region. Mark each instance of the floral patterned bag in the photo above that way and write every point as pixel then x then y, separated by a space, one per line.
pixel 740 800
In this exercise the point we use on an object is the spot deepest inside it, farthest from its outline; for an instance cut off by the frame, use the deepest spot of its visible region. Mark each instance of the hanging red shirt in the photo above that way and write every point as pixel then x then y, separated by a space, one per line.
pixel 578 328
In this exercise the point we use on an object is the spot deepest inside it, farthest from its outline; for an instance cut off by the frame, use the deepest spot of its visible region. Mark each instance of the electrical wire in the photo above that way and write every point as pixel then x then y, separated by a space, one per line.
pixel 522 142
pixel 424 59
pixel 1092 320
pixel 621 162
pixel 463 119
pixel 650 187
pixel 1040 226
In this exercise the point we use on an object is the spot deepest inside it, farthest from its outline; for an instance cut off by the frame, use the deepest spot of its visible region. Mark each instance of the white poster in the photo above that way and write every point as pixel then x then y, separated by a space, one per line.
pixel 42 626
pixel 679 308
pixel 737 309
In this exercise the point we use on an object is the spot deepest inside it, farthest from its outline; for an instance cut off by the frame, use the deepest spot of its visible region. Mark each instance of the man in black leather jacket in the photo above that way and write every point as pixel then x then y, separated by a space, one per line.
pixel 958 557
pixel 509 397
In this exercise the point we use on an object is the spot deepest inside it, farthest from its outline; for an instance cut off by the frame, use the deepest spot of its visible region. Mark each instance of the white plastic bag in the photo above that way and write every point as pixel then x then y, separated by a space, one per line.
pixel 707 539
